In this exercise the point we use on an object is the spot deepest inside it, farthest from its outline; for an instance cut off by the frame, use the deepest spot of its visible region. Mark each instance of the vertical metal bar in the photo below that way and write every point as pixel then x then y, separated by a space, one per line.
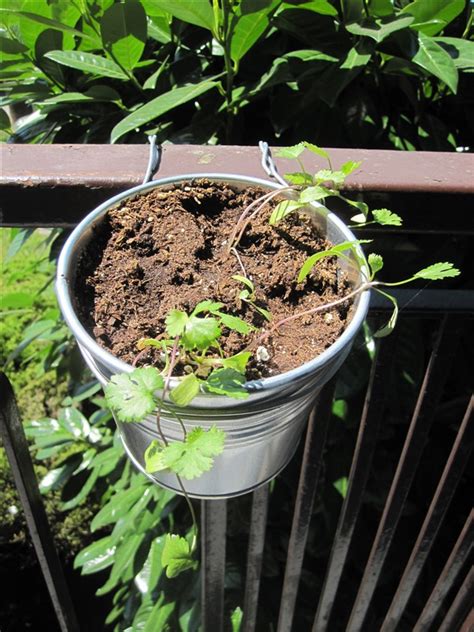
pixel 308 482
pixel 361 463
pixel 16 448
pixel 432 387
pixel 439 505
pixel 255 556
pixel 213 541
pixel 461 605
pixel 449 574
pixel 468 625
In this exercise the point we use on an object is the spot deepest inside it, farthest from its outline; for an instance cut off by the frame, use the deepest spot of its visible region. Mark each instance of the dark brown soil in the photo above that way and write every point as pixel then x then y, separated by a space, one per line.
pixel 167 249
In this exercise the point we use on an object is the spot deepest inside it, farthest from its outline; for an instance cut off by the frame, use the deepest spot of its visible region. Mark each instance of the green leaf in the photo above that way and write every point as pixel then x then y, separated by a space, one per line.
pixel 195 455
pixel 349 167
pixel 176 322
pixel 154 458
pixel 335 251
pixel 247 32
pixel 336 78
pixel 386 218
pixel 298 177
pixel 327 175
pixel 236 619
pixel 11 46
pixel 131 395
pixel 283 209
pixel 17 300
pixel 238 362
pixel 438 271
pixel 197 12
pixel 375 263
pixel 342 485
pixel 207 306
pixel 245 281
pixel 158 618
pixel 160 105
pixel 432 16
pixel 227 382
pixel 176 556
pixel 313 194
pixel 88 62
pixel 380 28
pixel 96 556
pixel 186 391
pixel 117 507
pixel 291 152
pixel 460 50
pixel 318 6
pixel 18 241
pixel 123 28
pixel 387 329
pixel 52 24
pixel 200 333
pixel 236 324
pixel 433 58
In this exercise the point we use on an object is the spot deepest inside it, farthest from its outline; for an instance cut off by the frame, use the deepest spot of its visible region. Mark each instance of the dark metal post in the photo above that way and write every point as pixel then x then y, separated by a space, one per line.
pixel 16 447
pixel 213 539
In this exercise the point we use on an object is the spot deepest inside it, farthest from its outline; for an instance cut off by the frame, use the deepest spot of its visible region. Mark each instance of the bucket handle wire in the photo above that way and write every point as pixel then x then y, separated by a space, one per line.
pixel 268 164
pixel 154 159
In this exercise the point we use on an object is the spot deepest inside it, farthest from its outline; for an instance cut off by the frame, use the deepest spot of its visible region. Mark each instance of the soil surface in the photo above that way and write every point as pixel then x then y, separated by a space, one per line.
pixel 169 249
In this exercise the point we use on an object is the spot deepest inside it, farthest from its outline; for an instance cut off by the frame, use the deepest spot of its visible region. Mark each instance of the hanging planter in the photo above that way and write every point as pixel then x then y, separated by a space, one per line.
pixel 263 415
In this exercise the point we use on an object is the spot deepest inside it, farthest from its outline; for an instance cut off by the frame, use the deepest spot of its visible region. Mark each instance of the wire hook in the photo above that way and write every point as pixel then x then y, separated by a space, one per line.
pixel 154 159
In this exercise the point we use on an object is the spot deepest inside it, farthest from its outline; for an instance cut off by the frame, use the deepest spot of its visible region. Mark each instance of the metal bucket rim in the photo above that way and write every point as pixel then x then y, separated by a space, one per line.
pixel 63 289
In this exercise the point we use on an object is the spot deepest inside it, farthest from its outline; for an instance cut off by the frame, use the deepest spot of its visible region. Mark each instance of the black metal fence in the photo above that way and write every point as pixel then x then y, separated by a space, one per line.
pixel 435 588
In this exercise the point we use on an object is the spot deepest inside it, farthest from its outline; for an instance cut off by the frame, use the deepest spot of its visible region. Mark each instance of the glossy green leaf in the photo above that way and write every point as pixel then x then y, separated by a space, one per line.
pixel 432 16
pixel 117 507
pixel 187 389
pixel 379 28
pixel 88 62
pixel 72 420
pixel 460 50
pixel 53 24
pixel 323 7
pixel 313 194
pixel 236 324
pixel 433 58
pixel 159 616
pixel 200 333
pixel 238 362
pixel 160 105
pixel 154 457
pixel 123 28
pixel 248 30
pixel 96 556
pixel 198 12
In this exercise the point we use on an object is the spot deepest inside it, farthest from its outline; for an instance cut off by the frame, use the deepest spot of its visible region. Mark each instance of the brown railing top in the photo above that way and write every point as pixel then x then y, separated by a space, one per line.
pixel 122 166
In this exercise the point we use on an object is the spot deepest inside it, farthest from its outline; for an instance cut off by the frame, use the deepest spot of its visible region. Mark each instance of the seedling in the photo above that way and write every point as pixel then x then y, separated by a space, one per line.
pixel 247 295
pixel 192 341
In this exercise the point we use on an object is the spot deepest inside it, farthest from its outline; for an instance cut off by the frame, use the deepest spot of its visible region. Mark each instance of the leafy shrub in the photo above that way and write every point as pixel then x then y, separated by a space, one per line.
pixel 372 73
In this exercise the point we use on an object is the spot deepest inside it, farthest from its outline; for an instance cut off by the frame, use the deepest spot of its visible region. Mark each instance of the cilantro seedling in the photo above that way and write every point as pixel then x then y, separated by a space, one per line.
pixel 247 295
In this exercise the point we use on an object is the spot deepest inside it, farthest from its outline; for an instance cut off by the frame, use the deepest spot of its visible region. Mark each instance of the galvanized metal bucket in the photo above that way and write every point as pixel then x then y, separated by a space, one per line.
pixel 263 431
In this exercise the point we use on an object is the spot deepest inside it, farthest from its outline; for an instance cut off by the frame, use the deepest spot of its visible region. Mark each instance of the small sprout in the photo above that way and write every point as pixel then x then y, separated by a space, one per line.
pixel 375 263
pixel 282 210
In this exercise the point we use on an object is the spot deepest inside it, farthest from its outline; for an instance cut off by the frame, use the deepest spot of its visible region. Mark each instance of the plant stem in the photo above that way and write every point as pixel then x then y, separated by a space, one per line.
pixel 233 241
pixel 321 308
pixel 226 39
pixel 237 256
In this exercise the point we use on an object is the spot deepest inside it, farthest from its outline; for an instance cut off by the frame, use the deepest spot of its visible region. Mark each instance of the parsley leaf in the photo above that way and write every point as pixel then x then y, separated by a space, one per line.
pixel 200 333
pixel 131 395
pixel 153 457
pixel 176 322
pixel 238 362
pixel 194 456
pixel 176 555
pixel 437 271
pixel 386 218
pixel 375 263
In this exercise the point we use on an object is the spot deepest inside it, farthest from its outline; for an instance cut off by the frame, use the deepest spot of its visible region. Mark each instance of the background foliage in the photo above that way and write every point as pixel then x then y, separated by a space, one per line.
pixel 367 73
